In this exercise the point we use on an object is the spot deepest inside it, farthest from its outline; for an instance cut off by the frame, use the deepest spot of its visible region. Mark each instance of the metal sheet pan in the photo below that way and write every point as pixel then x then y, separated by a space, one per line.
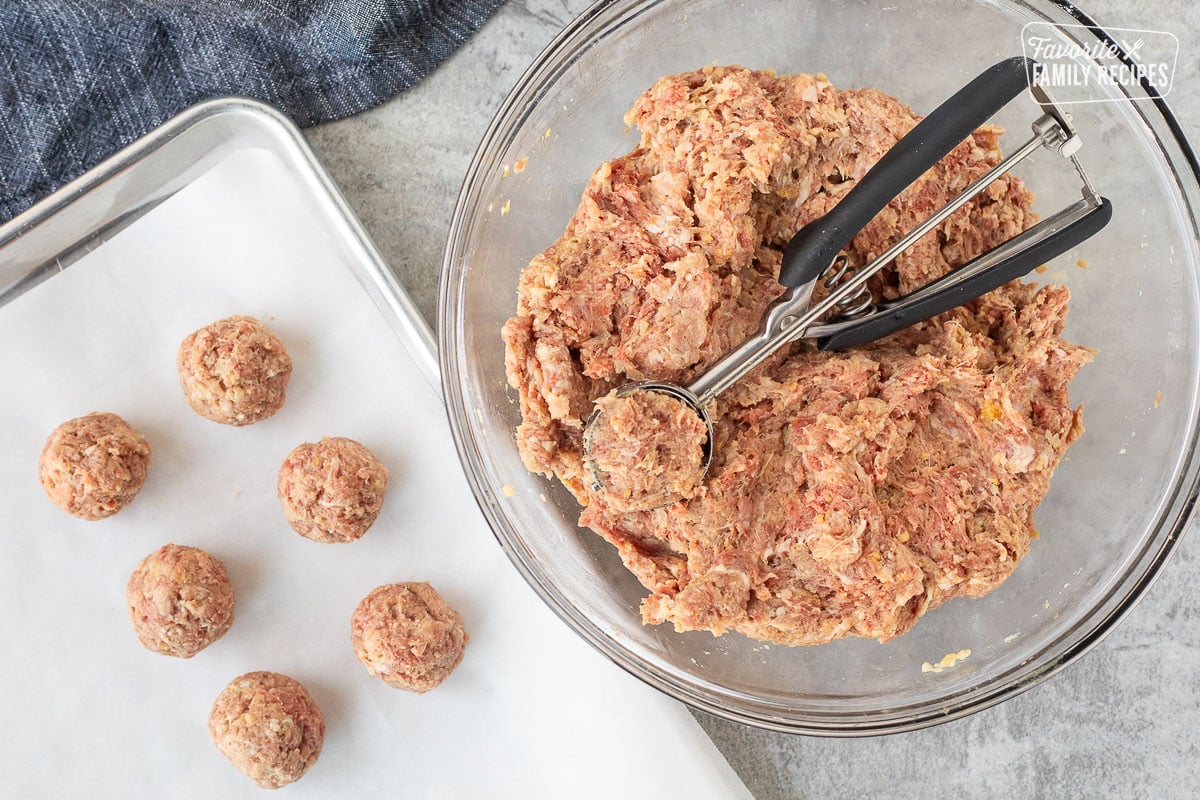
pixel 226 211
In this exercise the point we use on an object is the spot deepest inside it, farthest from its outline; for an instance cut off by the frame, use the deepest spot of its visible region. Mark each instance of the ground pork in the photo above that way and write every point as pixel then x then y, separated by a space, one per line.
pixel 93 466
pixel 849 492
pixel 645 449
pixel 269 727
pixel 332 490
pixel 234 371
pixel 406 635
pixel 180 600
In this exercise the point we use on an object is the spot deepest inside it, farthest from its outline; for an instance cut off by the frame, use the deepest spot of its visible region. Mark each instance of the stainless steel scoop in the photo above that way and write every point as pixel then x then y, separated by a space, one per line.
pixel 854 318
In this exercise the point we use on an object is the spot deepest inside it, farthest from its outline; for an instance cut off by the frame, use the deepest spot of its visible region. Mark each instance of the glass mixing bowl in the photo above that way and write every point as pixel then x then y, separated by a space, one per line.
pixel 1121 498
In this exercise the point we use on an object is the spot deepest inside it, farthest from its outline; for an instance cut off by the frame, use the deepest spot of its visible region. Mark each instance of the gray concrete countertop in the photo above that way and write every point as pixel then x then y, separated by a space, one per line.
pixel 1122 722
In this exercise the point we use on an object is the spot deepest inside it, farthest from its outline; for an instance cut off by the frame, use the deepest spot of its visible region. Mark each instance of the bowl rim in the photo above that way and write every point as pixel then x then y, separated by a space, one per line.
pixel 1176 514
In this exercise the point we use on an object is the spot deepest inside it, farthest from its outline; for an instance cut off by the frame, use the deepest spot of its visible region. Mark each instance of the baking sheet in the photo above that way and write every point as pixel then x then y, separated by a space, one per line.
pixel 531 712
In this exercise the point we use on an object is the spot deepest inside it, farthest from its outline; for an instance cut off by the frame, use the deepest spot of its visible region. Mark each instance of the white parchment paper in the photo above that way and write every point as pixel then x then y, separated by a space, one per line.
pixel 532 712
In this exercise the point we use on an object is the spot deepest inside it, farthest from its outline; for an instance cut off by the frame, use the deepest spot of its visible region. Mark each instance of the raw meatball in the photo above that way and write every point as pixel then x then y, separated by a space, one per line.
pixel 406 635
pixel 332 491
pixel 268 726
pixel 646 449
pixel 180 600
pixel 93 466
pixel 234 371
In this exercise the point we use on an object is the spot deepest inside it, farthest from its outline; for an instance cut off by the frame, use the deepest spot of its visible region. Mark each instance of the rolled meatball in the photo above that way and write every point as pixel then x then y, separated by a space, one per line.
pixel 234 371
pixel 180 600
pixel 94 466
pixel 269 727
pixel 407 636
pixel 332 491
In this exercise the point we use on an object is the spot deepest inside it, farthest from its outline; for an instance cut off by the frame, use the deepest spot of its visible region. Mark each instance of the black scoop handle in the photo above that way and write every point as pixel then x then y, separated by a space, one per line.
pixel 901 313
pixel 817 243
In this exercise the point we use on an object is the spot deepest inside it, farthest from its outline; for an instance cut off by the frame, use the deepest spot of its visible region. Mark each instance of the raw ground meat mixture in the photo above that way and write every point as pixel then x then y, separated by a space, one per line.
pixel 93 466
pixel 268 726
pixel 234 371
pixel 180 600
pixel 333 490
pixel 851 492
pixel 646 448
pixel 406 635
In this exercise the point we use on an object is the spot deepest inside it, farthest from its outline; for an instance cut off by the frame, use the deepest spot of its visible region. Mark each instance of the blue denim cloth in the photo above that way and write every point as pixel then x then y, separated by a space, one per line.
pixel 79 79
